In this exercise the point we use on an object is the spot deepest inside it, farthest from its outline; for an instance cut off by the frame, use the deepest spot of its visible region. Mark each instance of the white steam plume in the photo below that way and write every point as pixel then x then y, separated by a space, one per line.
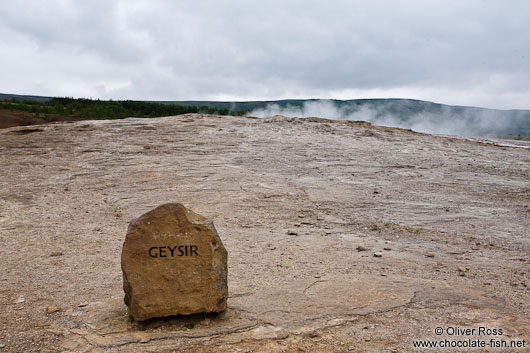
pixel 447 121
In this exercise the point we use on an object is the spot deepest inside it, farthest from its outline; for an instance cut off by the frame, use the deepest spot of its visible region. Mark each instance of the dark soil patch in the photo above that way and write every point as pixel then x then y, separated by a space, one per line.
pixel 12 119
pixel 26 131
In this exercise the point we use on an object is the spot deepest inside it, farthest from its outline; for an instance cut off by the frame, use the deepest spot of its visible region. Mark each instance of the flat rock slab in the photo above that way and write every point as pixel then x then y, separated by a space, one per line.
pixel 174 263
pixel 306 307
pixel 73 189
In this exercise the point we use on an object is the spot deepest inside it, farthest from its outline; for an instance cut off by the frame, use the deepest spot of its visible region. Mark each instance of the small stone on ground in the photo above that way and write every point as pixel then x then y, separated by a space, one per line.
pixel 52 309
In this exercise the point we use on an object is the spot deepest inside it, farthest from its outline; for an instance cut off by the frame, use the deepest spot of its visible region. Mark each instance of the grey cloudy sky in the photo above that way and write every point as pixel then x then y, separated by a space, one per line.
pixel 472 52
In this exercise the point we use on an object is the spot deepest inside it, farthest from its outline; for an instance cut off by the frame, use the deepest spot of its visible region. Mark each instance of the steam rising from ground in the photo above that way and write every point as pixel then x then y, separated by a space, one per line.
pixel 446 120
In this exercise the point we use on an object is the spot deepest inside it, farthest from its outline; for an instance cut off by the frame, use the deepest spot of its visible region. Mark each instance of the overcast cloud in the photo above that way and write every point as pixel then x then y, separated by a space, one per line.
pixel 456 52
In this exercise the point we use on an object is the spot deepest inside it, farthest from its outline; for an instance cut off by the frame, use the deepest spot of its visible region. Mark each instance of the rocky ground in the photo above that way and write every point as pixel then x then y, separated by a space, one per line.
pixel 342 236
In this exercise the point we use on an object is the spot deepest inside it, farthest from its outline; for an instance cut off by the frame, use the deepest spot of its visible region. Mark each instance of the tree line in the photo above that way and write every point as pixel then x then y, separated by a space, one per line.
pixel 101 109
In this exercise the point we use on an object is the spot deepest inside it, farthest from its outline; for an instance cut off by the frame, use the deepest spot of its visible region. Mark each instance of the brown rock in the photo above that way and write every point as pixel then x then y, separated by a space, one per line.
pixel 52 309
pixel 173 263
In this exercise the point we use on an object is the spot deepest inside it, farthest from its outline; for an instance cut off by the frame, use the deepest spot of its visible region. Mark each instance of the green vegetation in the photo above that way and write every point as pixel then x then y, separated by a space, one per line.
pixel 98 109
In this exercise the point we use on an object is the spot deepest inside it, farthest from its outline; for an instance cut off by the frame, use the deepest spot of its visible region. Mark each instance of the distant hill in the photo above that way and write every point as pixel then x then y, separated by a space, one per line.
pixel 18 97
pixel 243 106
pixel 405 113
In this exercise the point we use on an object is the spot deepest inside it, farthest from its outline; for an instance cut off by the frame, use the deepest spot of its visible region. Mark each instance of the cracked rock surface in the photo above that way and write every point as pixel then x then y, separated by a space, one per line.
pixel 293 200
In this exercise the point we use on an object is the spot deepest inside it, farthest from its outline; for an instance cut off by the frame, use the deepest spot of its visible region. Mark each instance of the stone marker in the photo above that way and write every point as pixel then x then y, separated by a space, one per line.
pixel 173 263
